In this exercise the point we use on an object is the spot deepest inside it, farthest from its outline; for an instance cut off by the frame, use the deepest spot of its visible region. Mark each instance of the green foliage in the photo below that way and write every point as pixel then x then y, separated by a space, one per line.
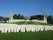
pixel 50 19
pixel 39 17
pixel 2 18
pixel 19 16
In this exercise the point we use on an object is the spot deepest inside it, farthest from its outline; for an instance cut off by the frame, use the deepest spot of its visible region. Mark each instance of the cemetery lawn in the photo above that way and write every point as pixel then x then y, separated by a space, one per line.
pixel 35 23
pixel 27 36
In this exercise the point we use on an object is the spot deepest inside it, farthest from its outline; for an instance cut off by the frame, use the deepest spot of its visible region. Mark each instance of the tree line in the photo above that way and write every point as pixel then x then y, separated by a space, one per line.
pixel 19 16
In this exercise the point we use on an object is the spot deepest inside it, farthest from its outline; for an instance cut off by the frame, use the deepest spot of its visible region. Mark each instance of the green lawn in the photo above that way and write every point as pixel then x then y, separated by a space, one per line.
pixel 30 22
pixel 27 36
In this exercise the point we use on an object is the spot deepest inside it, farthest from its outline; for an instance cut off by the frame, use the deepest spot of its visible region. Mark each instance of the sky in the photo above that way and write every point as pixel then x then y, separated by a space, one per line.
pixel 26 7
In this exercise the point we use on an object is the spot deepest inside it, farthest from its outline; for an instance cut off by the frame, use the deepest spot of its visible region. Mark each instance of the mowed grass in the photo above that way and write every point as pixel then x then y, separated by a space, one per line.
pixel 27 36
pixel 30 22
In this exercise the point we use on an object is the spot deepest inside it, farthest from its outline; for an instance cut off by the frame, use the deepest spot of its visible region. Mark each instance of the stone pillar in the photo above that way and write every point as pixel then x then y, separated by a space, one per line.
pixel 10 17
pixel 45 18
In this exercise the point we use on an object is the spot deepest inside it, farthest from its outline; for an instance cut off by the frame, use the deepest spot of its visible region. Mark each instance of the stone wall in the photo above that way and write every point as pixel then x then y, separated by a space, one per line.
pixel 20 20
pixel 4 28
pixel 16 20
pixel 41 21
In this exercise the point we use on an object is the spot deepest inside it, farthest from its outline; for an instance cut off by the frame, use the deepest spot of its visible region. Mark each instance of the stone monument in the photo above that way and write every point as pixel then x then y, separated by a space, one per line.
pixel 45 17
pixel 11 17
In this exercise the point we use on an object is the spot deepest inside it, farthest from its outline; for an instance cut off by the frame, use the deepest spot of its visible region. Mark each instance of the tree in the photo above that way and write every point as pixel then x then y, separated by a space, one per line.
pixel 1 18
pixel 15 16
pixel 19 16
pixel 39 17
pixel 50 19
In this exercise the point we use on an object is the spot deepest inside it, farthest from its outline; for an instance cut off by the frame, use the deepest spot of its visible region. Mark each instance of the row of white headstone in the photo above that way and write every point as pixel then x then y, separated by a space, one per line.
pixel 4 28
